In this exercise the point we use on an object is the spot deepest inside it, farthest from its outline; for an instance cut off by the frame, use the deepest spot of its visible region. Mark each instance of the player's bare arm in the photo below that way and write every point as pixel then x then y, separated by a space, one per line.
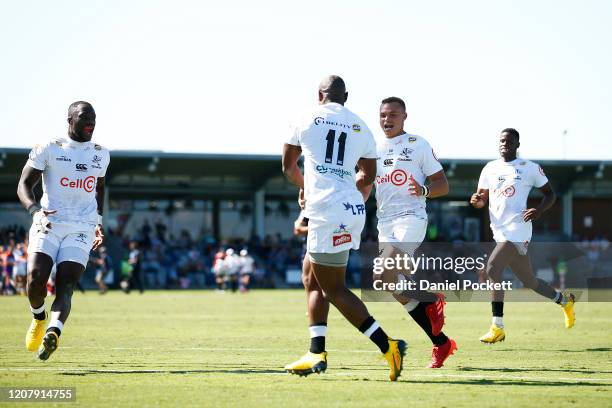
pixel 532 214
pixel 366 176
pixel 291 155
pixel 99 239
pixel 30 177
pixel 437 186
pixel 480 198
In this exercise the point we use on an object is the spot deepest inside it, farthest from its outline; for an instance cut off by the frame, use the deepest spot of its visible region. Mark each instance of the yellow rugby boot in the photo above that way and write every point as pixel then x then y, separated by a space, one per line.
pixel 308 364
pixel 395 358
pixel 48 346
pixel 35 333
pixel 568 311
pixel 494 335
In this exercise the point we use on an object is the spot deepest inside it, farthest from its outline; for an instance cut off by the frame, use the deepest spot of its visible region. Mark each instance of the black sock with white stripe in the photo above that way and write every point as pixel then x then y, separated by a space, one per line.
pixel 39 312
pixel 318 331
pixel 374 332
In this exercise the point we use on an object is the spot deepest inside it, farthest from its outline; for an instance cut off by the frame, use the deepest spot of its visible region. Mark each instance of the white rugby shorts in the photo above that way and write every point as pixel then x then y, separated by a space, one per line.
pixel 404 233
pixel 337 228
pixel 63 242
pixel 519 233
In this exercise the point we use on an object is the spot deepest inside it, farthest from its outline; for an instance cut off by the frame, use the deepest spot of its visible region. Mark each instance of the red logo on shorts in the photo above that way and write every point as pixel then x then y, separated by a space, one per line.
pixel 87 184
pixel 341 239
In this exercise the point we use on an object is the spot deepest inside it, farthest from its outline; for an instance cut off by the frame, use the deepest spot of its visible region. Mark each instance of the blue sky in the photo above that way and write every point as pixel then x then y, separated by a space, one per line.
pixel 210 77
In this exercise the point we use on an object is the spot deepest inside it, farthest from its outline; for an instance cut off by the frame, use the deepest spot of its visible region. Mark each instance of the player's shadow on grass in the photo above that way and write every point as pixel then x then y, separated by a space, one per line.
pixel 511 382
pixel 588 350
pixel 546 369
pixel 201 371
pixel 478 381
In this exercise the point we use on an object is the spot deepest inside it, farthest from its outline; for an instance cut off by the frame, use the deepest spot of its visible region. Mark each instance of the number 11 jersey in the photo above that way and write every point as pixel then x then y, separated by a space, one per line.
pixel 333 139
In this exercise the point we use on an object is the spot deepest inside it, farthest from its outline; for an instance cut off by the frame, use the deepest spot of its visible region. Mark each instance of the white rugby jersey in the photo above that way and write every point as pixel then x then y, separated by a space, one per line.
pixel 398 159
pixel 247 264
pixel 332 139
pixel 70 174
pixel 509 184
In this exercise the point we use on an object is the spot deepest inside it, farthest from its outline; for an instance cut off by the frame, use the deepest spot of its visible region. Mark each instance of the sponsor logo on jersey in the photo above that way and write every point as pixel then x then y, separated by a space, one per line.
pixel 508 191
pixel 388 162
pixel 97 147
pixel 322 121
pixel 390 151
pixel 356 209
pixel 405 154
pixel 87 184
pixel 501 178
pixel 81 167
pixel 356 128
pixel 331 170
pixel 63 158
pixel 411 139
pixel 57 142
pixel 96 162
pixel 397 177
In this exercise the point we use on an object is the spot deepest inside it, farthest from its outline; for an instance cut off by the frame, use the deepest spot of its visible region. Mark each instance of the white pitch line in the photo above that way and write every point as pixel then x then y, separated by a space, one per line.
pixel 407 376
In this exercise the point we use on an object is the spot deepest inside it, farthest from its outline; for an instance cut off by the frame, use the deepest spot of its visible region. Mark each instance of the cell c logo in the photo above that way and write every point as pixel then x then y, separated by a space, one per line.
pixel 87 184
pixel 398 177
pixel 508 191
pixel 90 183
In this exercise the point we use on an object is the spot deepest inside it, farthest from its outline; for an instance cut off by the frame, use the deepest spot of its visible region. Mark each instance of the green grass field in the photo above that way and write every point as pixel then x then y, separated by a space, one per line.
pixel 211 349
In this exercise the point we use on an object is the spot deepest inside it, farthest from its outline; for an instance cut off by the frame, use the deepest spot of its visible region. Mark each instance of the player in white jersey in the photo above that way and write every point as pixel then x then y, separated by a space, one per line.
pixel 405 164
pixel 66 224
pixel 232 266
pixel 247 268
pixel 334 141
pixel 505 183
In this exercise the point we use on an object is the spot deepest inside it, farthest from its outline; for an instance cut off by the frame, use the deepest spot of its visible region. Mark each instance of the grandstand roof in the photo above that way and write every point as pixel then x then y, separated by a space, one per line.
pixel 148 174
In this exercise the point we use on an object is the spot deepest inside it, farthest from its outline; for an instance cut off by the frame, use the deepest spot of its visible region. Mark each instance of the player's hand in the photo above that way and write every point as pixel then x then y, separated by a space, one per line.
pixel 477 200
pixel 41 221
pixel 414 188
pixel 99 239
pixel 301 199
pixel 531 214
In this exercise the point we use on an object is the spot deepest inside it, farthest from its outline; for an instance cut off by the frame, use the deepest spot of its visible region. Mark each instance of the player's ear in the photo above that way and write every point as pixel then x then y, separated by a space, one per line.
pixel 345 96
pixel 321 97
pixel 405 115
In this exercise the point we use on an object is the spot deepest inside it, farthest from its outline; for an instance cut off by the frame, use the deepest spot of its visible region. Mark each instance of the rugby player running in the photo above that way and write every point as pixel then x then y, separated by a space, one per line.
pixel 334 141
pixel 408 173
pixel 505 184
pixel 66 224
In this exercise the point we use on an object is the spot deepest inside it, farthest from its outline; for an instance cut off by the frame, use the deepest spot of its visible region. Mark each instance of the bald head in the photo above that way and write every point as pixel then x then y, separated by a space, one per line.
pixel 332 89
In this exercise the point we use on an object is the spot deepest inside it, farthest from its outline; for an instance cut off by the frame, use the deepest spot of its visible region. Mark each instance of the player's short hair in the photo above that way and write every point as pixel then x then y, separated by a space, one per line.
pixel 512 131
pixel 74 105
pixel 394 99
pixel 334 87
